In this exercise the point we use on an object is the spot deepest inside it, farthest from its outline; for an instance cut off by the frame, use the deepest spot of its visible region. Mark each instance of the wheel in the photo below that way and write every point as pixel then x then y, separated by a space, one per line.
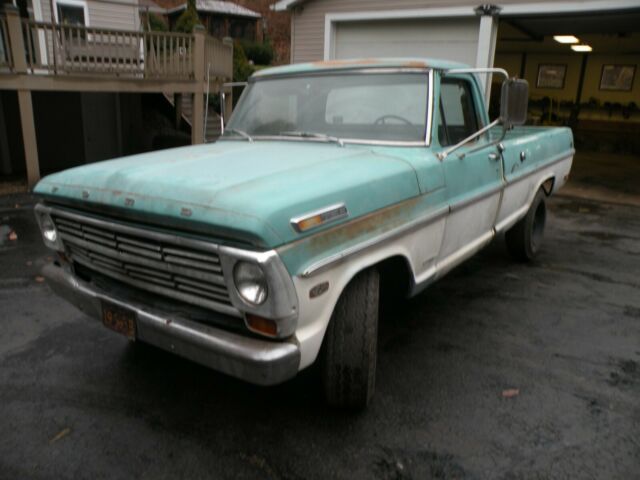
pixel 348 359
pixel 524 239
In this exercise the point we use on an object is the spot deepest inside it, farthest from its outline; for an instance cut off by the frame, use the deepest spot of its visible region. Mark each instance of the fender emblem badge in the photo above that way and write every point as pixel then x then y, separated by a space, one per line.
pixel 319 290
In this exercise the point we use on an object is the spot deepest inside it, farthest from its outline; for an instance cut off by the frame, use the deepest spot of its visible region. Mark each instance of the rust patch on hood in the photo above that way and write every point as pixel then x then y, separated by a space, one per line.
pixel 415 64
pixel 338 63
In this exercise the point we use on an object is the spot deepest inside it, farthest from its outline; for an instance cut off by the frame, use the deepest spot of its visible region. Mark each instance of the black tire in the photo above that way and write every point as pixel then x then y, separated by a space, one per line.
pixel 348 359
pixel 524 239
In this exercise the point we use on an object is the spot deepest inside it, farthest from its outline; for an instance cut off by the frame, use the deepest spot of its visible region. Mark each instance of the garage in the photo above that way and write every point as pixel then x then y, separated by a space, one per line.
pixel 591 85
pixel 582 70
pixel 409 38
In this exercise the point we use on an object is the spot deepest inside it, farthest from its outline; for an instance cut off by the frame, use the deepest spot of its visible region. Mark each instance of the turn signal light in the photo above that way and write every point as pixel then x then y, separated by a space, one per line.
pixel 264 326
pixel 308 223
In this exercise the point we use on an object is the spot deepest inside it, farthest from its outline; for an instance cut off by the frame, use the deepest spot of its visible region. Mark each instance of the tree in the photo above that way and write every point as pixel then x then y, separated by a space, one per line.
pixel 189 18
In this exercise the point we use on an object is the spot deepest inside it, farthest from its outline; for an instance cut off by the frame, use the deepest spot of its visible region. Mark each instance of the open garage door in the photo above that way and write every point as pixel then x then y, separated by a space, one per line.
pixel 454 39
pixel 583 72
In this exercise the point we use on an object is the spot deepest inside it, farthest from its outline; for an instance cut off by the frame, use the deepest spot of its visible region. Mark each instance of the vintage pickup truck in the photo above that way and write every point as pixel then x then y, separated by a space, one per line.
pixel 266 251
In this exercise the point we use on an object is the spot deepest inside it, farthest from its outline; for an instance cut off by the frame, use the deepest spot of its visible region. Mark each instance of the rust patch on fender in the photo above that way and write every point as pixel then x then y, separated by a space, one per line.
pixel 375 222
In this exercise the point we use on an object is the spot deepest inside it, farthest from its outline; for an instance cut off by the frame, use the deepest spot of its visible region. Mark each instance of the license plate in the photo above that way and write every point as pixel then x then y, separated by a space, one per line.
pixel 119 319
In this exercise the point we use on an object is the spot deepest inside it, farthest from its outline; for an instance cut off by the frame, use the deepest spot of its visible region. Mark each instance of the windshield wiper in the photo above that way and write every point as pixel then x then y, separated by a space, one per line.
pixel 242 133
pixel 321 136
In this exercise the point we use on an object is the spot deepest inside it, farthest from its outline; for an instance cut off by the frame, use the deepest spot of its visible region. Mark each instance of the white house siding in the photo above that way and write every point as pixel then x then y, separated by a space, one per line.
pixel 309 18
pixel 118 14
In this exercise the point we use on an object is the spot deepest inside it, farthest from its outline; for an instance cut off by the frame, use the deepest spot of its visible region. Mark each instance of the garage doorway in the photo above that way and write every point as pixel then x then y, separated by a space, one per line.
pixel 594 88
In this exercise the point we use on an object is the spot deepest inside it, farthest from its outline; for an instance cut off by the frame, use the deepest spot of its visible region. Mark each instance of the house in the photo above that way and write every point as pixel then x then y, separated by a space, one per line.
pixel 220 18
pixel 74 86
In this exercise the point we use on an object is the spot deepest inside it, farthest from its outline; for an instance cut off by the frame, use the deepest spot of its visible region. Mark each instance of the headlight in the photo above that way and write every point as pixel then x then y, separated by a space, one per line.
pixel 49 232
pixel 251 282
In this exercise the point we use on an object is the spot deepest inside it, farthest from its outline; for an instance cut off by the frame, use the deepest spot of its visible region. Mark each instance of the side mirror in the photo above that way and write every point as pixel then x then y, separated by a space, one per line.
pixel 514 100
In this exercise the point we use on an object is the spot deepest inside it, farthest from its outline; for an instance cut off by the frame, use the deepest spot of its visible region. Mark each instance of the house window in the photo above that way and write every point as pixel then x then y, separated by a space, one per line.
pixel 71 14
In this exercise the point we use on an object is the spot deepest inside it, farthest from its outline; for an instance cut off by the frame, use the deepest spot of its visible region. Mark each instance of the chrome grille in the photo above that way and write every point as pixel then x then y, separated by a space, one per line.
pixel 159 263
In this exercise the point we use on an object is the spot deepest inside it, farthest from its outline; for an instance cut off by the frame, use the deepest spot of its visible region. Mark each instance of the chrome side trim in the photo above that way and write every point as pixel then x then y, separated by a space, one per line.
pixel 328 214
pixel 326 262
pixel 320 265
pixel 263 362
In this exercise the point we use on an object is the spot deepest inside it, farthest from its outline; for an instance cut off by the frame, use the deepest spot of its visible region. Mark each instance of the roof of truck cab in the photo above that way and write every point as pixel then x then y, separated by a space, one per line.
pixel 329 65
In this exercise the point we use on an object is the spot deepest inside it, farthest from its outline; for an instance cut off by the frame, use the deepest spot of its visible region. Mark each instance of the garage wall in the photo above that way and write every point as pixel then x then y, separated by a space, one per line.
pixel 591 87
pixel 308 19
pixel 409 38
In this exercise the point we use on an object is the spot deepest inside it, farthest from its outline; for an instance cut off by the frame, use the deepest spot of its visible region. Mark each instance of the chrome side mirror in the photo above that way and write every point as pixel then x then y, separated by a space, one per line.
pixel 514 100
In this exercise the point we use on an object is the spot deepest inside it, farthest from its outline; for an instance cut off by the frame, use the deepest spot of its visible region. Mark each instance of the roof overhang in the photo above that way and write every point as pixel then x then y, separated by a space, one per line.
pixel 219 8
pixel 542 8
pixel 283 5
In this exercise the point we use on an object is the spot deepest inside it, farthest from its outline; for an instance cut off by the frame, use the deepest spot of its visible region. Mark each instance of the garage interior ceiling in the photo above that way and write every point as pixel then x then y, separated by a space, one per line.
pixel 607 32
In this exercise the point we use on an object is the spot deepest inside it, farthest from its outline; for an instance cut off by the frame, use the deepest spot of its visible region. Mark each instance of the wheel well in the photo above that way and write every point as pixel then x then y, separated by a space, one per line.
pixel 395 277
pixel 547 185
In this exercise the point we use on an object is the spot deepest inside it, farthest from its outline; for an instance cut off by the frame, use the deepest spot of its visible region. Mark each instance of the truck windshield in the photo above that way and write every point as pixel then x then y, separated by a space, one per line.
pixel 335 107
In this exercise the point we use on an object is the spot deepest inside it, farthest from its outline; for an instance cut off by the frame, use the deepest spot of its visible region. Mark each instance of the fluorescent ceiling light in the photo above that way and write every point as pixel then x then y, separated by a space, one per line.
pixel 581 48
pixel 566 39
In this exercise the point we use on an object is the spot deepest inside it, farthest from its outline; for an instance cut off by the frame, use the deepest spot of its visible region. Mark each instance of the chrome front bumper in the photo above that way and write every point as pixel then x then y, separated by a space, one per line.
pixel 257 361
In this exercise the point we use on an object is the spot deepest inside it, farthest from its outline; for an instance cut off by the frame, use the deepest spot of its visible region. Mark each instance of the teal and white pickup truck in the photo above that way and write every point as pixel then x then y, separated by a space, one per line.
pixel 265 252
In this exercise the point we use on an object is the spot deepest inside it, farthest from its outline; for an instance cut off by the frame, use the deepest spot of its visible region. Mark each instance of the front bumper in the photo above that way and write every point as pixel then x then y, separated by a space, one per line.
pixel 262 362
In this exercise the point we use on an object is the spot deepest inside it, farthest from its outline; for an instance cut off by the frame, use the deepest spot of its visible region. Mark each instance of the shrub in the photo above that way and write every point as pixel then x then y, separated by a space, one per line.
pixel 259 53
pixel 242 70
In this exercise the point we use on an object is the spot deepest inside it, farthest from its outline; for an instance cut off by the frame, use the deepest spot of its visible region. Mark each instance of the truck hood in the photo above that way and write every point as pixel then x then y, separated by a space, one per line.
pixel 236 190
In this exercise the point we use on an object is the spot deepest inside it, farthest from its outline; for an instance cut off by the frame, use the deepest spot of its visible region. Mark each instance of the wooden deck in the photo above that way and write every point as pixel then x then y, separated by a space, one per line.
pixel 46 56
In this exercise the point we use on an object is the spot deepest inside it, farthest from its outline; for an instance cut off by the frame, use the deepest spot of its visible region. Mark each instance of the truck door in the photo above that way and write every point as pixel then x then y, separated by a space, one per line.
pixel 473 178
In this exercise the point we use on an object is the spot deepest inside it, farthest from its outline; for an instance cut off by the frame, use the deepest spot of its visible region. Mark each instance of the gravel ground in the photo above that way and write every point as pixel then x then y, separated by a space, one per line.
pixel 559 337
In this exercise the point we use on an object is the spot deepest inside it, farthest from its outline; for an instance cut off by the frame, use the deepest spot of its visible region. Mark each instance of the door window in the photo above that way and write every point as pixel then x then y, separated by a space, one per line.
pixel 458 117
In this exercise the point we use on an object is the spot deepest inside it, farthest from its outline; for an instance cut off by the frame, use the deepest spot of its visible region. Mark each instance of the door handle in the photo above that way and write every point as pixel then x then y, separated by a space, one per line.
pixel 494 156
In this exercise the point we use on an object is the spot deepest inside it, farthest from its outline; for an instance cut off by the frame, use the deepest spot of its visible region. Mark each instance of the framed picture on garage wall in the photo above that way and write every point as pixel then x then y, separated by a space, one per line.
pixel 551 75
pixel 617 77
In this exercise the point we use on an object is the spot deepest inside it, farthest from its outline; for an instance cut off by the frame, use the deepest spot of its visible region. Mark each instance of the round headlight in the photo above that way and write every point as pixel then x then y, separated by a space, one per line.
pixel 49 231
pixel 251 282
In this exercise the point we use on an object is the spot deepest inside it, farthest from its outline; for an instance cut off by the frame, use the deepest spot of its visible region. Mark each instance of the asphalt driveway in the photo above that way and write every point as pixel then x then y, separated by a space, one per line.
pixel 500 370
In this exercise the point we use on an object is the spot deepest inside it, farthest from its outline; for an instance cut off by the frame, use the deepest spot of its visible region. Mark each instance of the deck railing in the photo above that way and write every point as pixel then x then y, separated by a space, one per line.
pixel 64 49
pixel 5 48
pixel 53 49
